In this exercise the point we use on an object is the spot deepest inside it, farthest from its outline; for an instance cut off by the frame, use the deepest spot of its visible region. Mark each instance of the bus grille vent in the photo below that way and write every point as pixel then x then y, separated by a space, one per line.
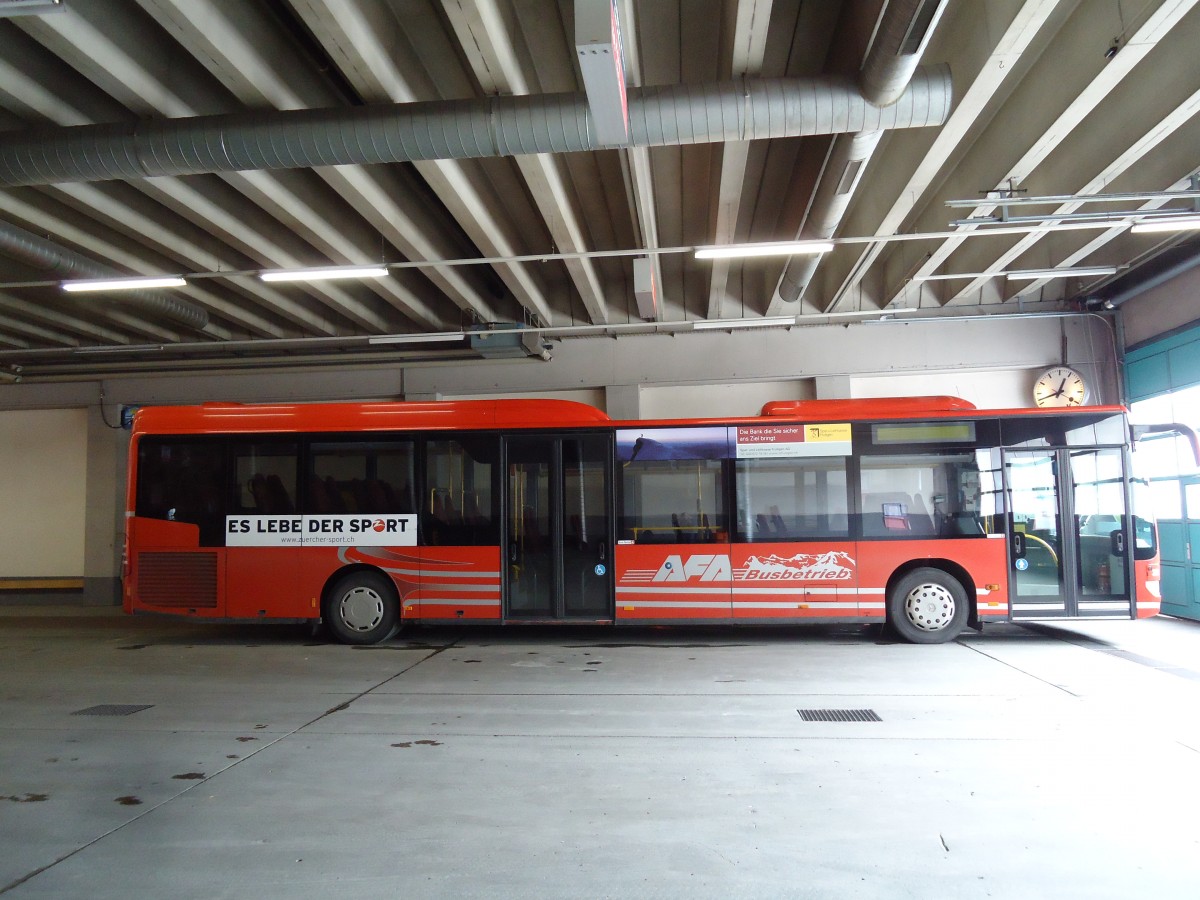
pixel 839 715
pixel 178 580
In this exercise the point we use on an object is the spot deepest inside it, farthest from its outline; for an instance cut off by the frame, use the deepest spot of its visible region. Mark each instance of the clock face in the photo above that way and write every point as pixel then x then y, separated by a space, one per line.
pixel 1060 386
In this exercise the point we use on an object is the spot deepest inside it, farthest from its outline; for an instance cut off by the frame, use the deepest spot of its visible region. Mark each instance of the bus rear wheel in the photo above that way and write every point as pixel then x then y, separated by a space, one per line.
pixel 362 608
pixel 928 606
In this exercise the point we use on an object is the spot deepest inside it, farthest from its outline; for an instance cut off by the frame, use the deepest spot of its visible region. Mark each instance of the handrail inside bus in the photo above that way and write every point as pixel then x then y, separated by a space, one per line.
pixel 1187 432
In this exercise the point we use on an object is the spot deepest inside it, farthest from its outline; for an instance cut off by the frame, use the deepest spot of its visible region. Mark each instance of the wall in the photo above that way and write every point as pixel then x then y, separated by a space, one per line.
pixel 991 362
pixel 43 490
pixel 1173 304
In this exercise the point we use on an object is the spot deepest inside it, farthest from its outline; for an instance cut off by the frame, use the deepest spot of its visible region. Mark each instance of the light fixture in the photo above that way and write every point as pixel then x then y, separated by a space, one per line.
pixel 120 348
pixel 1077 272
pixel 416 338
pixel 722 324
pixel 956 275
pixel 326 274
pixel 786 248
pixel 124 284
pixel 1179 223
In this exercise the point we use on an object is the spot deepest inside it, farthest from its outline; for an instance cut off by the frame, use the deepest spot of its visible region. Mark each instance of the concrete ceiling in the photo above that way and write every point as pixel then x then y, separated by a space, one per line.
pixel 1050 98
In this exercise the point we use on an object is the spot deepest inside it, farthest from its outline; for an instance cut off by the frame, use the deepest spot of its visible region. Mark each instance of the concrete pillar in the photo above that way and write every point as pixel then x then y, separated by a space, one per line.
pixel 832 387
pixel 623 401
pixel 104 514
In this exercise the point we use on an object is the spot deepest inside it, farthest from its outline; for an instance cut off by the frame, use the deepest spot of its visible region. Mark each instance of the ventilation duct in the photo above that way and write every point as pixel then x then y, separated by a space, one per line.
pixel 462 129
pixel 45 255
pixel 890 65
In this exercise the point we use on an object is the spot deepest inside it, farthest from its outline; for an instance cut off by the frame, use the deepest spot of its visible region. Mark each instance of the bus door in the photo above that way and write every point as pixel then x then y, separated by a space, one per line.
pixel 558 527
pixel 1068 534
pixel 1177 502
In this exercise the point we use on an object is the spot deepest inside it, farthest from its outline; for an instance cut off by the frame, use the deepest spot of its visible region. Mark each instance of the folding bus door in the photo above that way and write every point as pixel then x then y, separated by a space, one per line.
pixel 558 542
pixel 1067 534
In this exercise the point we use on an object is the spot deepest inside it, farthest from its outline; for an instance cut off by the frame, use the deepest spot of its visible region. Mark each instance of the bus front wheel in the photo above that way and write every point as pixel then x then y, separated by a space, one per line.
pixel 362 608
pixel 927 606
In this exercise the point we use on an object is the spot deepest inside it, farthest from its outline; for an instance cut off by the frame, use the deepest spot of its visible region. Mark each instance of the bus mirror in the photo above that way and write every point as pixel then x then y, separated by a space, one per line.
pixel 1117 538
pixel 1188 433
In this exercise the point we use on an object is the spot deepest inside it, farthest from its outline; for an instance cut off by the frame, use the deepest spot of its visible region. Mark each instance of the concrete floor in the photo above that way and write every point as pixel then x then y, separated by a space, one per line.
pixel 1026 762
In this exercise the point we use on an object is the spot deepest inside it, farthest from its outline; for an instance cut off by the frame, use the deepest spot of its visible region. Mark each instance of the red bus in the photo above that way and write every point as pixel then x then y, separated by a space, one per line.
pixel 924 513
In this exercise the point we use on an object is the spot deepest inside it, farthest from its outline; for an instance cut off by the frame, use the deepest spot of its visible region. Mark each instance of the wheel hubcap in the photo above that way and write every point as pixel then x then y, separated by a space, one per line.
pixel 361 609
pixel 929 607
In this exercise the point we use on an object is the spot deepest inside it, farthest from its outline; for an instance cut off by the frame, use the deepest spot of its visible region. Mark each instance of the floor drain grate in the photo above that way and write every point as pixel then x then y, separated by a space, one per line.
pixel 839 715
pixel 113 709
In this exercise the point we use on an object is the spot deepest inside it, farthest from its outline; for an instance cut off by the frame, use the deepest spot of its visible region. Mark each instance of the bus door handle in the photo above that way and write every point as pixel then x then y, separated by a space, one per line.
pixel 512 552
pixel 602 548
pixel 1018 545
pixel 1118 543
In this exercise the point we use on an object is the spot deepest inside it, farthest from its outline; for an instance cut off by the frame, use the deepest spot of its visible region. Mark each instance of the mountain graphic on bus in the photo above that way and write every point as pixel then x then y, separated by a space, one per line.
pixel 829 566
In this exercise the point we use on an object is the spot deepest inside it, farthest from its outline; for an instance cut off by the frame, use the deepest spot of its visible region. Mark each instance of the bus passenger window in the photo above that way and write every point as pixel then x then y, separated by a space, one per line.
pixel 183 481
pixel 792 499
pixel 673 501
pixel 920 495
pixel 265 476
pixel 361 477
pixel 459 508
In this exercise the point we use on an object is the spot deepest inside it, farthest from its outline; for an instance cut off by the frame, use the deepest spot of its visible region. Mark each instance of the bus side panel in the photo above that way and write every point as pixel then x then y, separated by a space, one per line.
pixel 265 583
pixel 168 572
pixel 984 559
pixel 1147 587
pixel 457 583
pixel 674 581
pixel 431 582
pixel 794 581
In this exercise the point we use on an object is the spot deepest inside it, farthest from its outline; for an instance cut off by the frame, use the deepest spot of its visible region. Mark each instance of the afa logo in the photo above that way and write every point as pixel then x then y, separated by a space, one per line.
pixel 704 566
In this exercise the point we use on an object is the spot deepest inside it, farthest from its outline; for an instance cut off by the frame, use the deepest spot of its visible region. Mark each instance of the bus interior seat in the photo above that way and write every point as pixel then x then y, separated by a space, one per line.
pixel 886 514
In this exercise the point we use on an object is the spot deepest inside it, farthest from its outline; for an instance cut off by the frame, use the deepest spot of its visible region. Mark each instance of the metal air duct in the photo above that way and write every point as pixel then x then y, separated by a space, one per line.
pixel 461 129
pixel 903 33
pixel 40 253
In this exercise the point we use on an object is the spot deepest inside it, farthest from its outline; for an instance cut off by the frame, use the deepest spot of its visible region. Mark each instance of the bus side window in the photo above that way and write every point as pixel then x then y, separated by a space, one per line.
pixel 182 481
pixel 458 508
pixel 920 495
pixel 265 477
pixel 792 499
pixel 361 477
pixel 673 501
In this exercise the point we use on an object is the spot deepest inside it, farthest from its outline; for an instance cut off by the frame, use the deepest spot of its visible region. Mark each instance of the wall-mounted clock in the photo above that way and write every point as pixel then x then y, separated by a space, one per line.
pixel 1060 386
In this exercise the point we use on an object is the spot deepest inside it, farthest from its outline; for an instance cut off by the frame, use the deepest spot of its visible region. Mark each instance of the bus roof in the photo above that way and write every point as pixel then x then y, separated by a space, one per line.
pixel 472 415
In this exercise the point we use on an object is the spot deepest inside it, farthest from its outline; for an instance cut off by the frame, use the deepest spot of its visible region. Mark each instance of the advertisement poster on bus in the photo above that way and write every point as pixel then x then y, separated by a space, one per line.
pixel 767 441
pixel 321 531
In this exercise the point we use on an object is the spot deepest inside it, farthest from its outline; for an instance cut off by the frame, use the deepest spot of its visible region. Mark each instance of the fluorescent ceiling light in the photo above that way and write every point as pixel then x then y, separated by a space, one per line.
pixel 119 348
pixel 416 338
pixel 327 274
pixel 123 284
pixel 1180 223
pixel 955 275
pixel 790 248
pixel 722 324
pixel 1078 271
